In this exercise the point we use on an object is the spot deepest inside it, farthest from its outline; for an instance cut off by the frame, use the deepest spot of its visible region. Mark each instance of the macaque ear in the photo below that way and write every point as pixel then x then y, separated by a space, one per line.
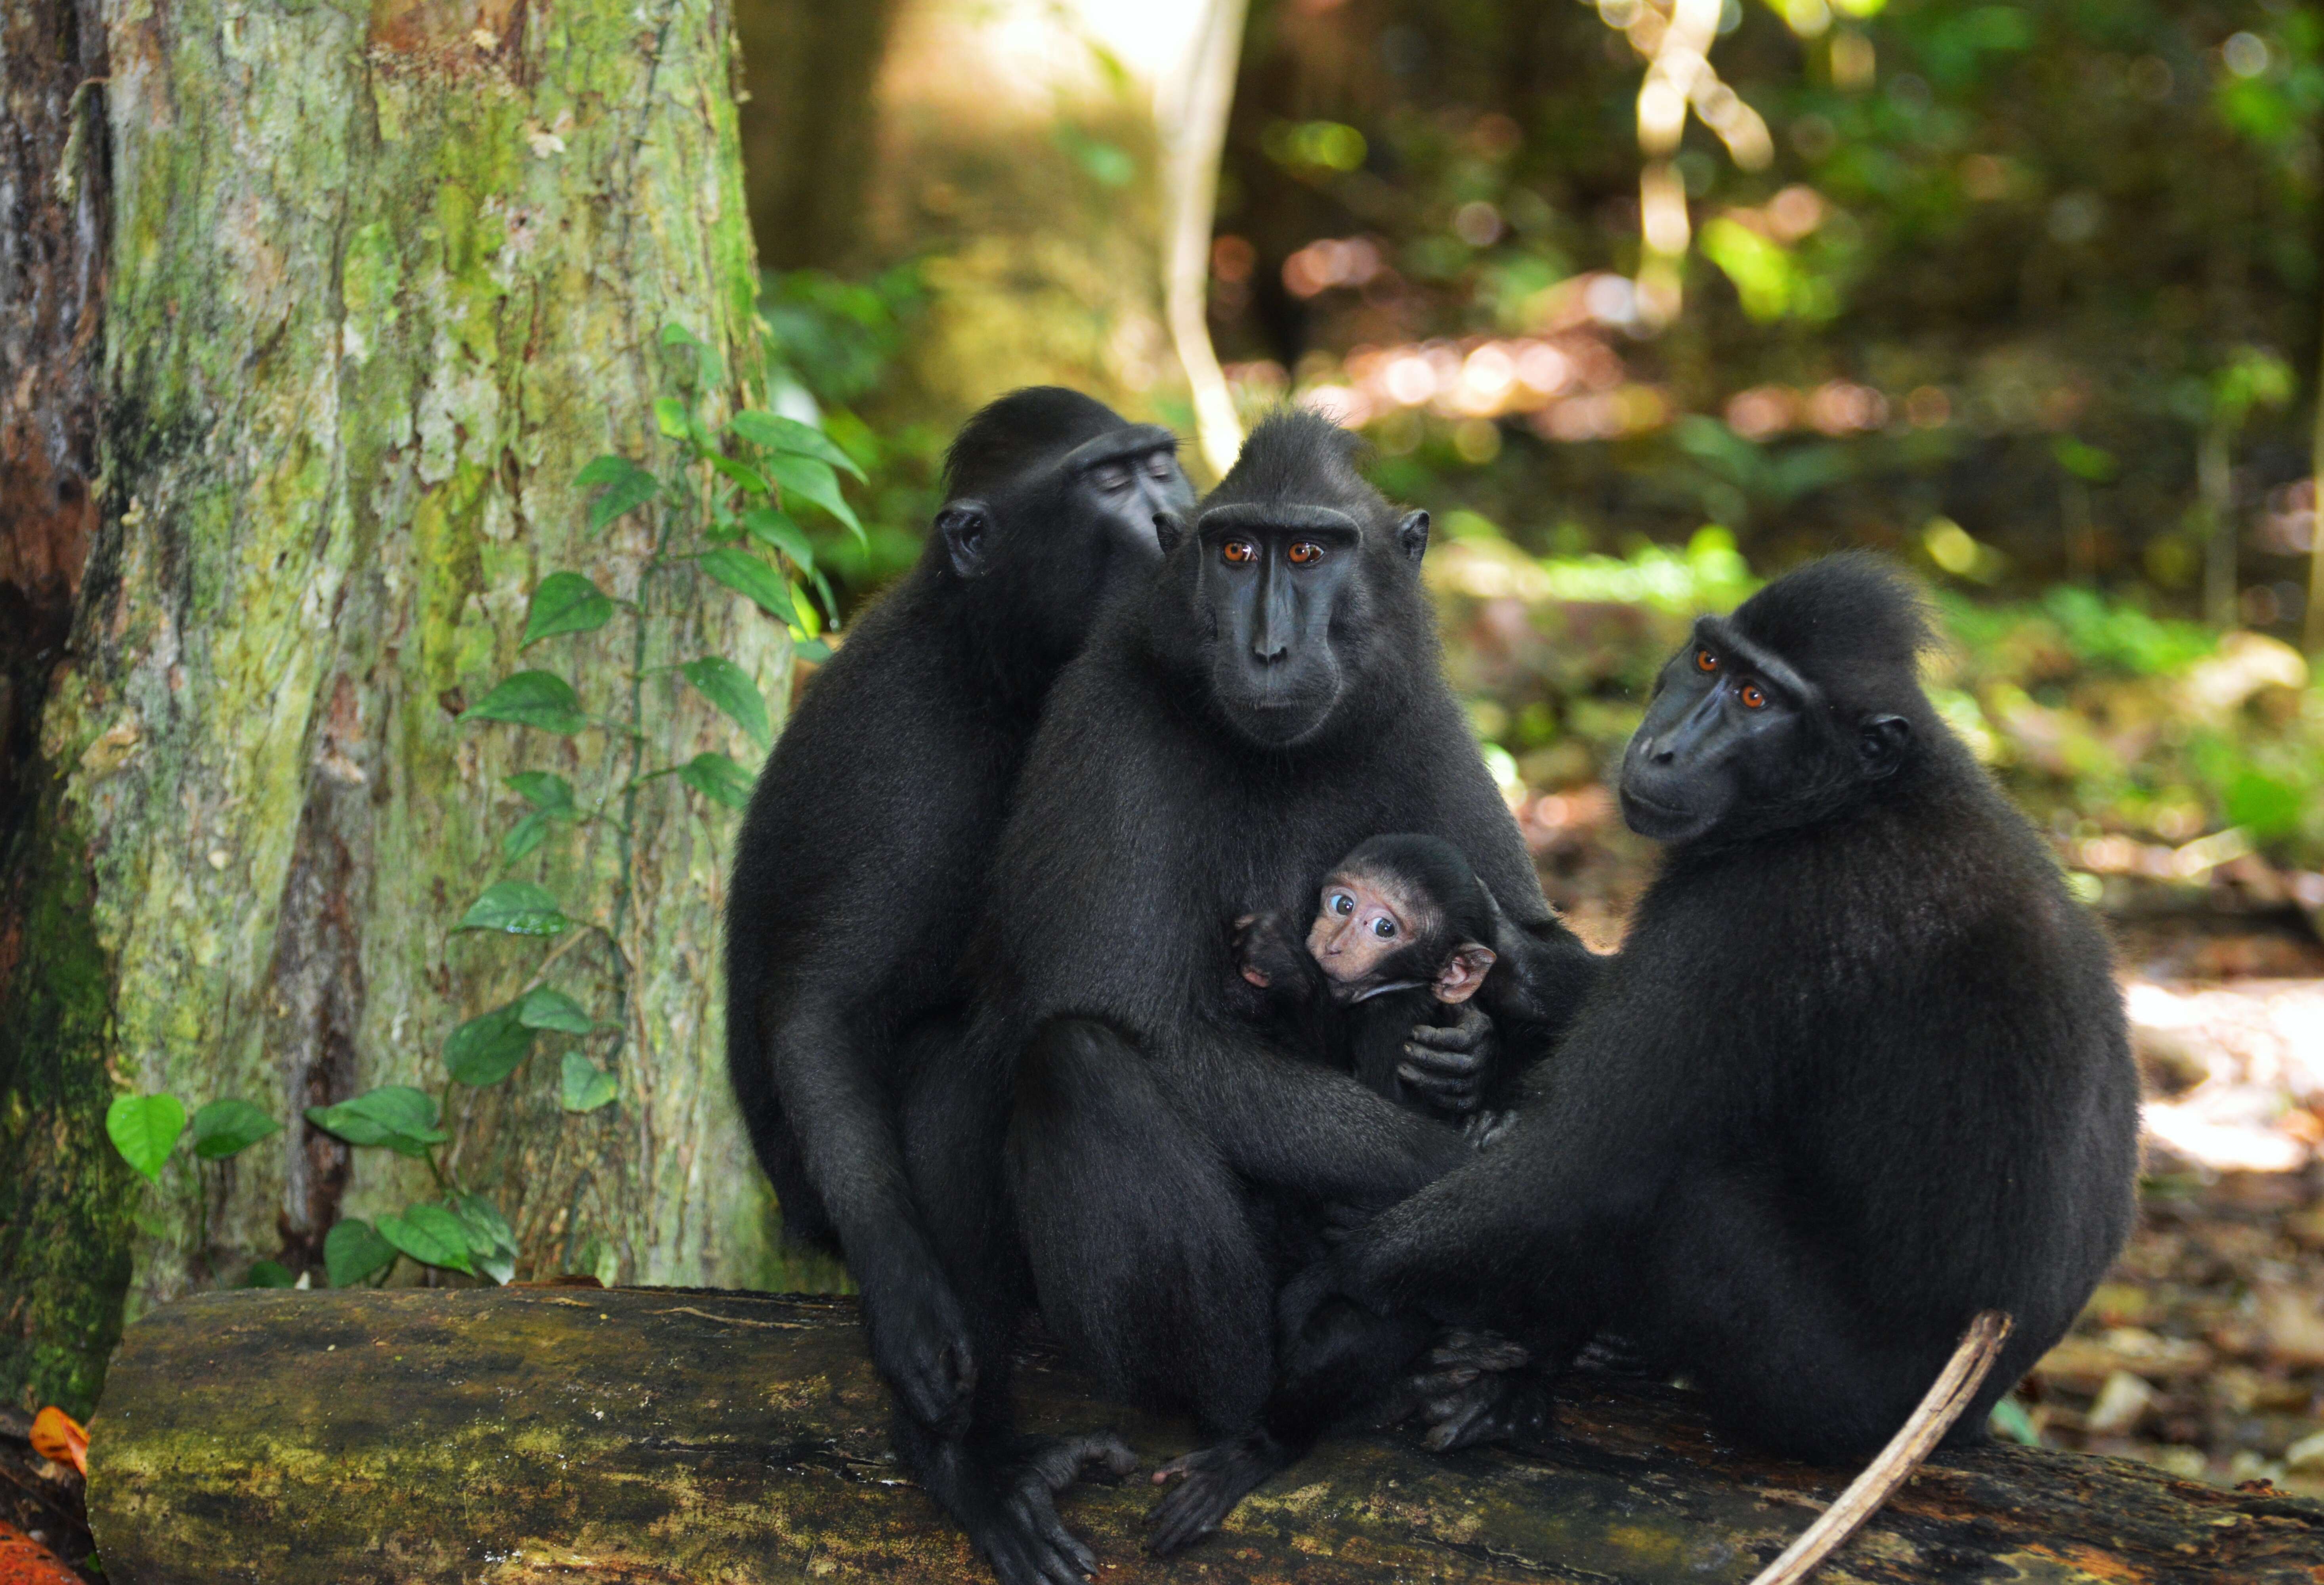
pixel 1412 535
pixel 1169 530
pixel 1464 972
pixel 965 525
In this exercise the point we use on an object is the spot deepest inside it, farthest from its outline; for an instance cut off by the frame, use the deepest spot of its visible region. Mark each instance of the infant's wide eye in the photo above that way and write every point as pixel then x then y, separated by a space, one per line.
pixel 1343 904
pixel 1384 927
pixel 1704 660
pixel 1754 696
pixel 1305 552
pixel 1238 552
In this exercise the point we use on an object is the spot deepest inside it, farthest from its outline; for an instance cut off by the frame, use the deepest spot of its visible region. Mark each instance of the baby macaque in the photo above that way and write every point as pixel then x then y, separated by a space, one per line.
pixel 1405 936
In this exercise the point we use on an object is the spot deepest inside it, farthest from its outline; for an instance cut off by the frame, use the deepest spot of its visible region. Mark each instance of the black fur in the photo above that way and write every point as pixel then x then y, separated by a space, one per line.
pixel 1159 1145
pixel 861 871
pixel 1859 1071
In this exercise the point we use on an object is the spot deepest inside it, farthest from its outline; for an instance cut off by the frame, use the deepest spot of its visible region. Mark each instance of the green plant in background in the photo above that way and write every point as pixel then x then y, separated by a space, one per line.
pixel 835 346
pixel 721 508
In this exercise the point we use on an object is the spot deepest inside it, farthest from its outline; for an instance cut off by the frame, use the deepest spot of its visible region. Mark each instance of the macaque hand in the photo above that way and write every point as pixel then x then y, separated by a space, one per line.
pixel 919 1341
pixel 1448 1066
pixel 1266 954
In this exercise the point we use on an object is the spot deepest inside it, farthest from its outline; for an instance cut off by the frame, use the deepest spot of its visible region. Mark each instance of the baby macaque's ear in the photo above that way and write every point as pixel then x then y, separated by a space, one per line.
pixel 1464 971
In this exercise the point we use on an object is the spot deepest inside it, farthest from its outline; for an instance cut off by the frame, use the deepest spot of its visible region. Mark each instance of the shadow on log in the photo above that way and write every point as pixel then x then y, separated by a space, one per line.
pixel 665 1434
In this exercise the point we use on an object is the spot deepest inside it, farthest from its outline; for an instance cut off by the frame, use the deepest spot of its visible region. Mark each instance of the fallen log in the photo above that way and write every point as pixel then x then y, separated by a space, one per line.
pixel 524 1434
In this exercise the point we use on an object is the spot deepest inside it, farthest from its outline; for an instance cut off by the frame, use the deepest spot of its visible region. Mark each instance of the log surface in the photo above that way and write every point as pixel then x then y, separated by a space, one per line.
pixel 673 1435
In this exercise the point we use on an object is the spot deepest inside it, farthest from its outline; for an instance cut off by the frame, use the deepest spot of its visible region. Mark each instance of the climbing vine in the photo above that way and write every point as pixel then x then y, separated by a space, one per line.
pixel 720 505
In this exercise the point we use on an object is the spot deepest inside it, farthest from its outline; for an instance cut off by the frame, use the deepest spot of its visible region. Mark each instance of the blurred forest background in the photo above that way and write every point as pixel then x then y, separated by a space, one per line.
pixel 2024 294
pixel 1645 299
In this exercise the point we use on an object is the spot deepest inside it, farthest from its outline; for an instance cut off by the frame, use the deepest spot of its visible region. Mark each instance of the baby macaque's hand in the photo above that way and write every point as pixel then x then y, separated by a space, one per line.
pixel 1266 952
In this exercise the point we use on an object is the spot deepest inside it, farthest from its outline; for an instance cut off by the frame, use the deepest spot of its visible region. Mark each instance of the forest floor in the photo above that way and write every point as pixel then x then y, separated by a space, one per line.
pixel 2202 1352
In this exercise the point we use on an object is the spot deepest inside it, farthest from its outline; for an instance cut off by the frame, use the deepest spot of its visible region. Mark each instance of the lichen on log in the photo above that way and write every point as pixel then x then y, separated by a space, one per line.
pixel 670 1434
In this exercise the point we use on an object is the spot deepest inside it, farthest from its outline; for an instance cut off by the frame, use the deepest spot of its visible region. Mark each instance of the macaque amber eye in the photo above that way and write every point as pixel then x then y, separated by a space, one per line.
pixel 1384 928
pixel 1238 552
pixel 1343 904
pixel 1754 696
pixel 1305 552
pixel 1704 660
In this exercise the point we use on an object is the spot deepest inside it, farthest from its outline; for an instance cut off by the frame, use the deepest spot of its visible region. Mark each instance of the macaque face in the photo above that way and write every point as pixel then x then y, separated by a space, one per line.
pixel 1360 924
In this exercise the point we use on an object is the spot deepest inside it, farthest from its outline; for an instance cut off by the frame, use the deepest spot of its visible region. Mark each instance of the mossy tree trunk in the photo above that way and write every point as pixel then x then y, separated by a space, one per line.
pixel 382 283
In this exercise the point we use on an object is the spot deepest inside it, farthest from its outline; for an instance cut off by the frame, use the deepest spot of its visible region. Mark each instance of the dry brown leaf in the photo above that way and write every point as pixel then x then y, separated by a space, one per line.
pixel 58 1435
pixel 25 1561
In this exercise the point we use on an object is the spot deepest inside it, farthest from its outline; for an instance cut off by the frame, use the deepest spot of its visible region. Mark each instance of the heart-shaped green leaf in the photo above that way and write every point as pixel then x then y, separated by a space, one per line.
pixel 811 481
pixel 774 432
pixel 533 699
pixel 772 527
pixel 585 1086
pixel 519 907
pixel 545 791
pixel 225 1127
pixel 486 1050
pixel 566 602
pixel 543 1008
pixel 269 1273
pixel 396 1116
pixel 353 1250
pixel 748 576
pixel 810 649
pixel 144 1129
pixel 492 1243
pixel 431 1235
pixel 729 687
pixel 630 488
pixel 718 779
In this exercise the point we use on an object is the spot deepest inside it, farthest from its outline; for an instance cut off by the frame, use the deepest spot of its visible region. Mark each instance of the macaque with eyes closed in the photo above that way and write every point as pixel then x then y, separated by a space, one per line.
pixel 1404 939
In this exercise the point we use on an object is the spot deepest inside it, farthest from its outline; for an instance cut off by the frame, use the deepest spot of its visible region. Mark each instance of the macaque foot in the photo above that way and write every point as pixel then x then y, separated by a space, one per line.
pixel 1474 1387
pixel 1013 1520
pixel 1210 1481
pixel 1516 1406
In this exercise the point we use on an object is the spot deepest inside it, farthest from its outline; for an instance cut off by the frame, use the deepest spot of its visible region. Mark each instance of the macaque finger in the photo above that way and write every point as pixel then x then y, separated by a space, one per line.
pixel 1439 1087
pixel 1453 1039
pixel 1437 1060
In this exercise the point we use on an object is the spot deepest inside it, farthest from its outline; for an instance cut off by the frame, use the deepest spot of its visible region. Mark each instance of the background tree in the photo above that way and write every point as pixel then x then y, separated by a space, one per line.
pixel 382 284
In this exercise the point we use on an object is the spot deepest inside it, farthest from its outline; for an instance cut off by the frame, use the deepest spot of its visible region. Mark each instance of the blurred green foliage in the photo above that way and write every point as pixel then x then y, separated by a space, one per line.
pixel 834 345
pixel 2103 719
pixel 2009 266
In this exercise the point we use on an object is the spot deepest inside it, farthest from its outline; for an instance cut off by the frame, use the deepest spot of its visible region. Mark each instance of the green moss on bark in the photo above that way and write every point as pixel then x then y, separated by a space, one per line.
pixel 65 1197
pixel 383 280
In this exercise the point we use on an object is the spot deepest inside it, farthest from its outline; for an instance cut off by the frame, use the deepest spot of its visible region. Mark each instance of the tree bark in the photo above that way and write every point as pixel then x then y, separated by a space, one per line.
pixel 52 212
pixel 659 1434
pixel 384 279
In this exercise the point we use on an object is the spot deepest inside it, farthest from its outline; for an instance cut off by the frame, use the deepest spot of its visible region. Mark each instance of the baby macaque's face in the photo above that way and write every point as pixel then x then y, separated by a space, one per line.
pixel 1360 924
pixel 1374 935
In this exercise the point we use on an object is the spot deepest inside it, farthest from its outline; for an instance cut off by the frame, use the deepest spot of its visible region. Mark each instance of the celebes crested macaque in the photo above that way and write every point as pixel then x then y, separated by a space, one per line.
pixel 1405 936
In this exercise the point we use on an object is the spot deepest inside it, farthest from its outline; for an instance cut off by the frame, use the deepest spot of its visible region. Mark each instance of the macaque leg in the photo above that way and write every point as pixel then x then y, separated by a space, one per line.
pixel 1750 1310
